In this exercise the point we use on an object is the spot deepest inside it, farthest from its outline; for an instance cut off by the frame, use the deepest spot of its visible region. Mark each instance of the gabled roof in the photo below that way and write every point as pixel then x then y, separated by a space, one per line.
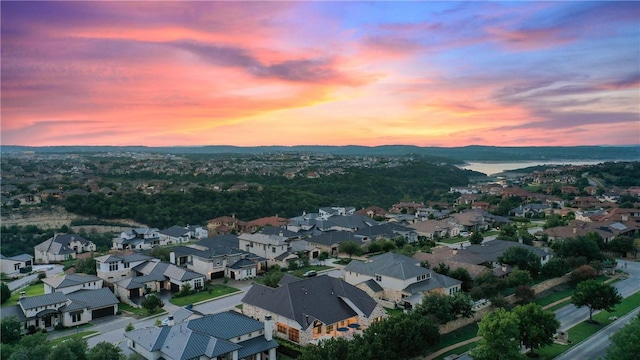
pixel 175 231
pixel 14 310
pixel 32 302
pixel 322 298
pixel 94 299
pixel 335 237
pixel 389 230
pixel 242 263
pixel 60 244
pixel 158 270
pixel 397 266
pixel 207 336
pixel 21 257
pixel 59 282
pixel 221 240
pixel 276 240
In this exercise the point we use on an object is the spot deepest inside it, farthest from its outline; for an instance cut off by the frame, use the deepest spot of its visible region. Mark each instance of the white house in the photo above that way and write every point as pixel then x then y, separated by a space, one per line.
pixel 62 247
pixel 72 282
pixel 15 264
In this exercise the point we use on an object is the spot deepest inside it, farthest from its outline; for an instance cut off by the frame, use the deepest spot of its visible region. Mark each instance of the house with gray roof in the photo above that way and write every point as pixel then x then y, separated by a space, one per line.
pixel 227 335
pixel 155 275
pixel 57 308
pixel 274 248
pixel 179 234
pixel 16 264
pixel 112 268
pixel 396 279
pixel 62 247
pixel 71 282
pixel 308 310
pixel 137 239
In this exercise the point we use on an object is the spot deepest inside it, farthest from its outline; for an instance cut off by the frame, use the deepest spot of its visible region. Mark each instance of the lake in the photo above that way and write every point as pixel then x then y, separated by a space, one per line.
pixel 491 168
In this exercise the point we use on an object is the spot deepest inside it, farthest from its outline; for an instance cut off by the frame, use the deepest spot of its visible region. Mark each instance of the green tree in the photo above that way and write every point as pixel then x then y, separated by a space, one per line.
pixel 519 277
pixel 525 293
pixel 129 327
pixel 555 267
pixel 401 337
pixel 442 268
pixel 323 256
pixel 86 266
pixel 536 326
pixel 350 248
pixel 463 275
pixel 622 245
pixel 500 334
pixel 625 344
pixel 579 246
pixel 104 351
pixel 272 278
pixel 152 303
pixel 161 253
pixel 32 347
pixel 5 293
pixel 78 348
pixel 461 304
pixel 476 238
pixel 595 296
pixel 10 330
pixel 436 305
pixel 521 257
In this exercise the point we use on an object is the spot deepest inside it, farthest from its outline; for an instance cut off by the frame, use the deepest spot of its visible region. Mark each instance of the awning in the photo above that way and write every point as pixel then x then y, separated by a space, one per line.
pixel 46 312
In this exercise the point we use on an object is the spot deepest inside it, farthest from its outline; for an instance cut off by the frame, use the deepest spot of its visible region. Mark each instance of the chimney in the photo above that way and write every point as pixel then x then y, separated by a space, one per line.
pixel 504 268
pixel 455 251
pixel 171 322
pixel 172 257
pixel 268 328
pixel 575 230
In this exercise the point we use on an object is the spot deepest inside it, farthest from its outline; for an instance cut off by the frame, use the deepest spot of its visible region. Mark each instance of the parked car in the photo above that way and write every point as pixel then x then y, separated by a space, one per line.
pixel 310 273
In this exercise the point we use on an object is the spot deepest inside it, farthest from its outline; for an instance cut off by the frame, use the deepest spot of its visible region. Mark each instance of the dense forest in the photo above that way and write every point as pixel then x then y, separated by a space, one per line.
pixel 416 181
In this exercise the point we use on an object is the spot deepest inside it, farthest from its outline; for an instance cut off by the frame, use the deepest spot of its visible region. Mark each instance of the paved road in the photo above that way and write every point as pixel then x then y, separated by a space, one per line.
pixel 596 346
pixel 570 316
pixel 50 270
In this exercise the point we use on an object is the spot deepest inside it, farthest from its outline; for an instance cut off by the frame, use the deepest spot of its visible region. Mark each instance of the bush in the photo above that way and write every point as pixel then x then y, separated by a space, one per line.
pixel 60 327
pixel 129 327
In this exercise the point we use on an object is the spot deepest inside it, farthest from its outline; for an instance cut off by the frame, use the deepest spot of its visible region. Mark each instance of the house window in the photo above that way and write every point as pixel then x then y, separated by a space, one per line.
pixel 329 329
pixel 294 335
pixel 126 265
pixel 273 249
pixel 378 278
pixel 16 267
pixel 113 266
pixel 282 328
pixel 76 317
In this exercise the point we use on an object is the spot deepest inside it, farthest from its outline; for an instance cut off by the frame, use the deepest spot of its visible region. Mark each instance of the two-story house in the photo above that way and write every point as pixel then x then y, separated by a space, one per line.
pixel 218 260
pixel 62 247
pixel 274 248
pixel 395 279
pixel 112 268
pixel 137 239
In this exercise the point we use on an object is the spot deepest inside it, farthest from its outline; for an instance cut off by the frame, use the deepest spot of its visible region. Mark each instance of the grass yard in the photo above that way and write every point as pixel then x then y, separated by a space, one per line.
pixel 456 336
pixel 458 351
pixel 394 312
pixel 79 335
pixel 138 313
pixel 585 329
pixel 31 290
pixel 211 292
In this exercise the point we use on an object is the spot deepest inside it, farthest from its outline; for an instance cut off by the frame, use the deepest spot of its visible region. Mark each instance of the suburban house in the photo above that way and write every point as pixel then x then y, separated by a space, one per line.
pixel 437 229
pixel 154 275
pixel 178 234
pixel 257 224
pixel 62 247
pixel 228 335
pixel 137 239
pixel 308 310
pixel 608 230
pixel 225 225
pixel 396 279
pixel 57 308
pixel 274 248
pixel 16 264
pixel 72 282
pixel 112 268
pixel 388 231
pixel 330 241
pixel 26 199
pixel 217 260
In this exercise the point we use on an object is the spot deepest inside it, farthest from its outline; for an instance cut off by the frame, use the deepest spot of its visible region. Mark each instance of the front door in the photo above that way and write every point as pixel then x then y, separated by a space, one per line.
pixel 47 321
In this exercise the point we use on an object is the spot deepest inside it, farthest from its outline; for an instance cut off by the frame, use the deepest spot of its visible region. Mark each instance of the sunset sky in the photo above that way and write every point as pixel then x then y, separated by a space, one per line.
pixel 320 73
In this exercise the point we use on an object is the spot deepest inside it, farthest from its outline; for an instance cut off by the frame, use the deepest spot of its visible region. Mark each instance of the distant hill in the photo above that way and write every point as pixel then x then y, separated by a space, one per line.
pixel 466 153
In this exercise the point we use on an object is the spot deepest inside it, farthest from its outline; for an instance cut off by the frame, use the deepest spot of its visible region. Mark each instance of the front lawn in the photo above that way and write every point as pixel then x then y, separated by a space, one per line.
pixel 79 335
pixel 31 290
pixel 211 292
pixel 139 313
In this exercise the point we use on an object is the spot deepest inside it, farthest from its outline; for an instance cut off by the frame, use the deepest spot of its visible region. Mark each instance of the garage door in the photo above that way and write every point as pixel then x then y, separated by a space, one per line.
pixel 98 313
pixel 175 287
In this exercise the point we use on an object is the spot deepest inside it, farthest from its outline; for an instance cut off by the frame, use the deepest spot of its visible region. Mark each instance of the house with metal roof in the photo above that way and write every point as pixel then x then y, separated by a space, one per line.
pixel 16 264
pixel 62 247
pixel 308 310
pixel 76 308
pixel 112 268
pixel 227 335
pixel 217 260
pixel 155 275
pixel 274 248
pixel 71 282
pixel 396 279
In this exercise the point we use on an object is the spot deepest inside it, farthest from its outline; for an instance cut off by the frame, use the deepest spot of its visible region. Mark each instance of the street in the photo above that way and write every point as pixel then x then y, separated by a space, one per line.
pixel 596 346
pixel 570 316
